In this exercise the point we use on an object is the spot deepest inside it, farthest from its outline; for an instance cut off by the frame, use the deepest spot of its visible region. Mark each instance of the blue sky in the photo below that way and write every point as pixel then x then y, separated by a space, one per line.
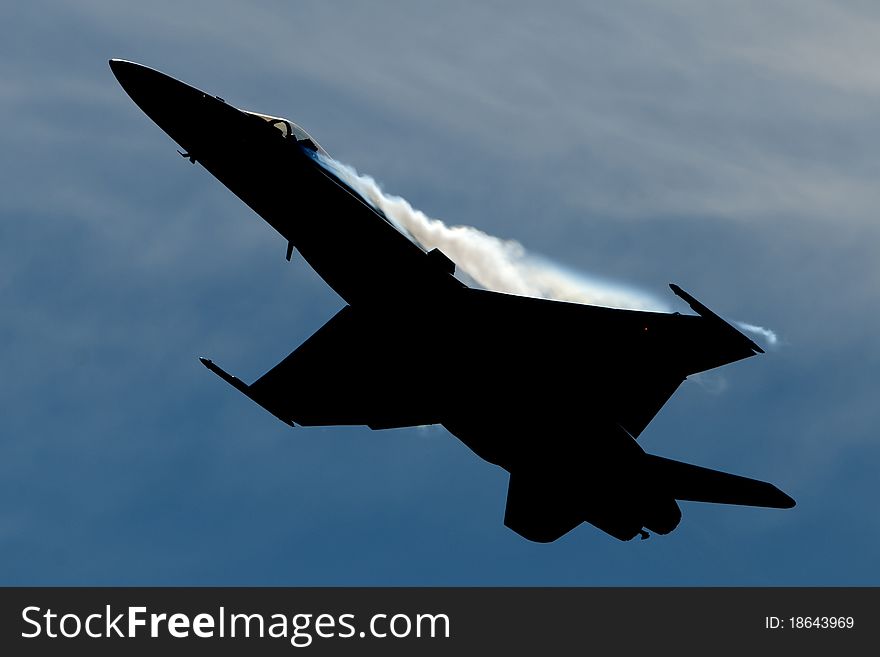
pixel 731 148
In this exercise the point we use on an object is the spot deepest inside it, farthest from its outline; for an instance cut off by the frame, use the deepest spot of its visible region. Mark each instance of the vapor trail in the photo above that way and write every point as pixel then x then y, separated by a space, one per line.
pixel 494 263
pixel 504 265
pixel 768 335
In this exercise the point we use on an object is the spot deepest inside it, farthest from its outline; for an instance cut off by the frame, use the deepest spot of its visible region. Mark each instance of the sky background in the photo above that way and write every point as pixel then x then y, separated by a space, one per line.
pixel 731 147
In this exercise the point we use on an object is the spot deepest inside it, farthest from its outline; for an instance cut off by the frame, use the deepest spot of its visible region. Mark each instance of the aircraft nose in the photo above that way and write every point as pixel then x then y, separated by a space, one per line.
pixel 184 112
pixel 124 71
pixel 153 91
pixel 140 81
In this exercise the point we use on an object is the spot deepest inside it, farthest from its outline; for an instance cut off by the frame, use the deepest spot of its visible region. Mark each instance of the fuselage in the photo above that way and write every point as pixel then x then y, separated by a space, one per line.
pixel 415 346
pixel 412 300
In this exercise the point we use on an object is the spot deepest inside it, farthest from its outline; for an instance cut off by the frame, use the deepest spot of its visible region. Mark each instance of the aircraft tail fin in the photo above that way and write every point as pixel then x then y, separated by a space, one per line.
pixel 696 484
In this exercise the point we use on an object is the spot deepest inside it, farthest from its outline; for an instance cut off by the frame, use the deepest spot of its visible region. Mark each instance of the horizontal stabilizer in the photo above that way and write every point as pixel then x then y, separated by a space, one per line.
pixel 242 387
pixel 695 484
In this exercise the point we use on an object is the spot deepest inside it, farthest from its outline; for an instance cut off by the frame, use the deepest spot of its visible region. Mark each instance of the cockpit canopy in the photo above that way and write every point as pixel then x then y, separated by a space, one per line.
pixel 291 130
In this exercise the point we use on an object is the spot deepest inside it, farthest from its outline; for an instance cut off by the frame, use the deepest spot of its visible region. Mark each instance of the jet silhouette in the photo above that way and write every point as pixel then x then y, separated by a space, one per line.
pixel 554 393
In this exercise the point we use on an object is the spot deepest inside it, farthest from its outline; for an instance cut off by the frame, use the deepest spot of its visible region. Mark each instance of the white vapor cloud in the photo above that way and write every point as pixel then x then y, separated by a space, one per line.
pixel 769 336
pixel 494 263
pixel 505 265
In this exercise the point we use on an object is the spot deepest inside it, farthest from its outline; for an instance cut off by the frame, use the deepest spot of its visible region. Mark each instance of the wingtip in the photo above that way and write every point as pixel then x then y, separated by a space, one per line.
pixel 702 310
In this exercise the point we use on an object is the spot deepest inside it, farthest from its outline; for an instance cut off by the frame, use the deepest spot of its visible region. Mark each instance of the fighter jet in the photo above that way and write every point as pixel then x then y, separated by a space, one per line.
pixel 555 393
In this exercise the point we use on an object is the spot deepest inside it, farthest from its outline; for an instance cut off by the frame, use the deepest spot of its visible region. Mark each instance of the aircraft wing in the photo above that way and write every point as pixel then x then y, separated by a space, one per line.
pixel 631 360
pixel 693 483
pixel 478 354
pixel 695 342
pixel 357 369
